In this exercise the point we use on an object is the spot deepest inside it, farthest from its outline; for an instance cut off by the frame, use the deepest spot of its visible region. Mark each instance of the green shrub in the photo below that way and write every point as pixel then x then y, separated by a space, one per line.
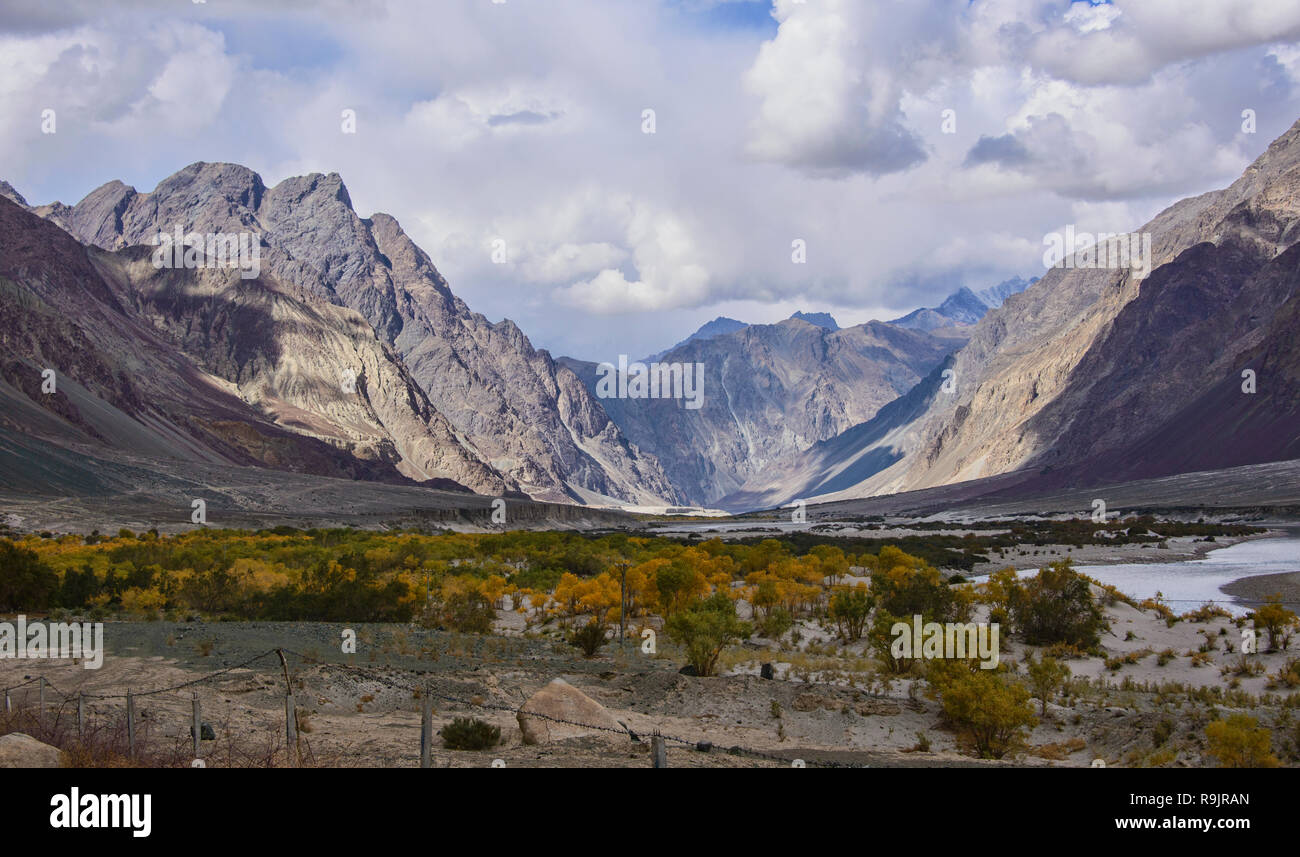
pixel 776 623
pixel 1057 606
pixel 469 733
pixel 705 628
pixel 468 613
pixel 589 638
pixel 850 609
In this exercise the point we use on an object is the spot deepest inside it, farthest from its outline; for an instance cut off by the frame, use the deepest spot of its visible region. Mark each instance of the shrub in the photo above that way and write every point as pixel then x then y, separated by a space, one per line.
pixel 906 585
pixel 989 710
pixel 705 628
pixel 776 623
pixel 589 638
pixel 1057 606
pixel 1287 675
pixel 850 609
pixel 469 733
pixel 881 640
pixel 469 613
pixel 1046 676
pixel 1239 741
pixel 1276 620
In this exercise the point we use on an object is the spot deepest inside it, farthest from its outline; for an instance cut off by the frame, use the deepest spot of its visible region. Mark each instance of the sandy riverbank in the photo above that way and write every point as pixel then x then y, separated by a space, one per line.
pixel 1256 589
pixel 1179 549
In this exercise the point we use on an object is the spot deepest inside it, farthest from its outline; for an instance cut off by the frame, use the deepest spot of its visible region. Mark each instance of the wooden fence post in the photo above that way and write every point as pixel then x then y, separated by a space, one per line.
pixel 130 724
pixel 426 728
pixel 290 713
pixel 8 705
pixel 658 751
pixel 291 728
pixel 198 726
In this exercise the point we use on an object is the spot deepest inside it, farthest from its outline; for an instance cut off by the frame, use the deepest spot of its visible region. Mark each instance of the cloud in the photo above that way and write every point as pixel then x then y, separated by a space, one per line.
pixel 828 104
pixel 521 121
pixel 668 273
pixel 1004 150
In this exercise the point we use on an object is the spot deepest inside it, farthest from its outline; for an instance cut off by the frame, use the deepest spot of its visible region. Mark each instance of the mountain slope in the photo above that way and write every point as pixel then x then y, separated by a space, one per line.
pixel 526 416
pixel 1081 366
pixel 190 365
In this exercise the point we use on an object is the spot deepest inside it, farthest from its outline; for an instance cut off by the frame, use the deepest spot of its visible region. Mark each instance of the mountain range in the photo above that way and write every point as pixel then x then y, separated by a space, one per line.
pixel 346 355
pixel 1094 376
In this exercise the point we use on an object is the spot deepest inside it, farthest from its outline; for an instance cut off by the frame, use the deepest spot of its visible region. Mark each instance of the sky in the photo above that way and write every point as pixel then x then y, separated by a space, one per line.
pixel 611 175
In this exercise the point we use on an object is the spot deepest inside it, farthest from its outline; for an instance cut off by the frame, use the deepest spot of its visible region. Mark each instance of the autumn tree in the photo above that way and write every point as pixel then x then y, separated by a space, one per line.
pixel 850 608
pixel 881 640
pixel 1238 741
pixel 705 628
pixel 906 586
pixel 989 710
pixel 1277 620
pixel 678 583
pixel 1046 677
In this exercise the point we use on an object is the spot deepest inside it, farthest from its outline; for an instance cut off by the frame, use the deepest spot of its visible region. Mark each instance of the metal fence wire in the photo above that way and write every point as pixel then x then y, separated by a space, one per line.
pixel 397 683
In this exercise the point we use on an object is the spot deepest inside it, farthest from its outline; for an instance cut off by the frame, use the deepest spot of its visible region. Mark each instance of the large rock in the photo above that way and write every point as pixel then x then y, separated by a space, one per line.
pixel 23 751
pixel 561 701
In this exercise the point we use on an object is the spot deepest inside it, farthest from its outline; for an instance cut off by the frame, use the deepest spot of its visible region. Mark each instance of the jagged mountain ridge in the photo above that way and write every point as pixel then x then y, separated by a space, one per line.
pixel 176 363
pixel 770 392
pixel 962 308
pixel 515 407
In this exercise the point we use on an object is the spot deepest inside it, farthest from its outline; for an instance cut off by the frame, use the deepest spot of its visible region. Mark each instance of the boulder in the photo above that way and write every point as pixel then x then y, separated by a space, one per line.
pixel 23 751
pixel 560 700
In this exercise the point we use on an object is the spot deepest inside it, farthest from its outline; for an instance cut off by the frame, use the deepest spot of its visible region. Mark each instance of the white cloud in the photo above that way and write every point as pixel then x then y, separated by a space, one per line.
pixel 668 273
pixel 523 121
pixel 828 102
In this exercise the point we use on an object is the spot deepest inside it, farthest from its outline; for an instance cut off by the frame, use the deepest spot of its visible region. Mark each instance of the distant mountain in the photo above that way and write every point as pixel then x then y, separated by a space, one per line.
pixel 718 327
pixel 769 392
pixel 963 307
pixel 821 319
pixel 997 295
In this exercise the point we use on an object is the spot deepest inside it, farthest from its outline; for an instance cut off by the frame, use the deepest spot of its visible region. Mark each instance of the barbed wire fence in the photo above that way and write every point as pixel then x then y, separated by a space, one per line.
pixel 50 696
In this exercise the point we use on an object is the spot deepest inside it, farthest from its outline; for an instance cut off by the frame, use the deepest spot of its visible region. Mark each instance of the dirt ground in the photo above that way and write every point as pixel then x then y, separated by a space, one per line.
pixel 363 709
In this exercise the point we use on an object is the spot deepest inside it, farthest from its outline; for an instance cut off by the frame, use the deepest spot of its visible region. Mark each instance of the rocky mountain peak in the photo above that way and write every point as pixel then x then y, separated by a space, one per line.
pixel 8 192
